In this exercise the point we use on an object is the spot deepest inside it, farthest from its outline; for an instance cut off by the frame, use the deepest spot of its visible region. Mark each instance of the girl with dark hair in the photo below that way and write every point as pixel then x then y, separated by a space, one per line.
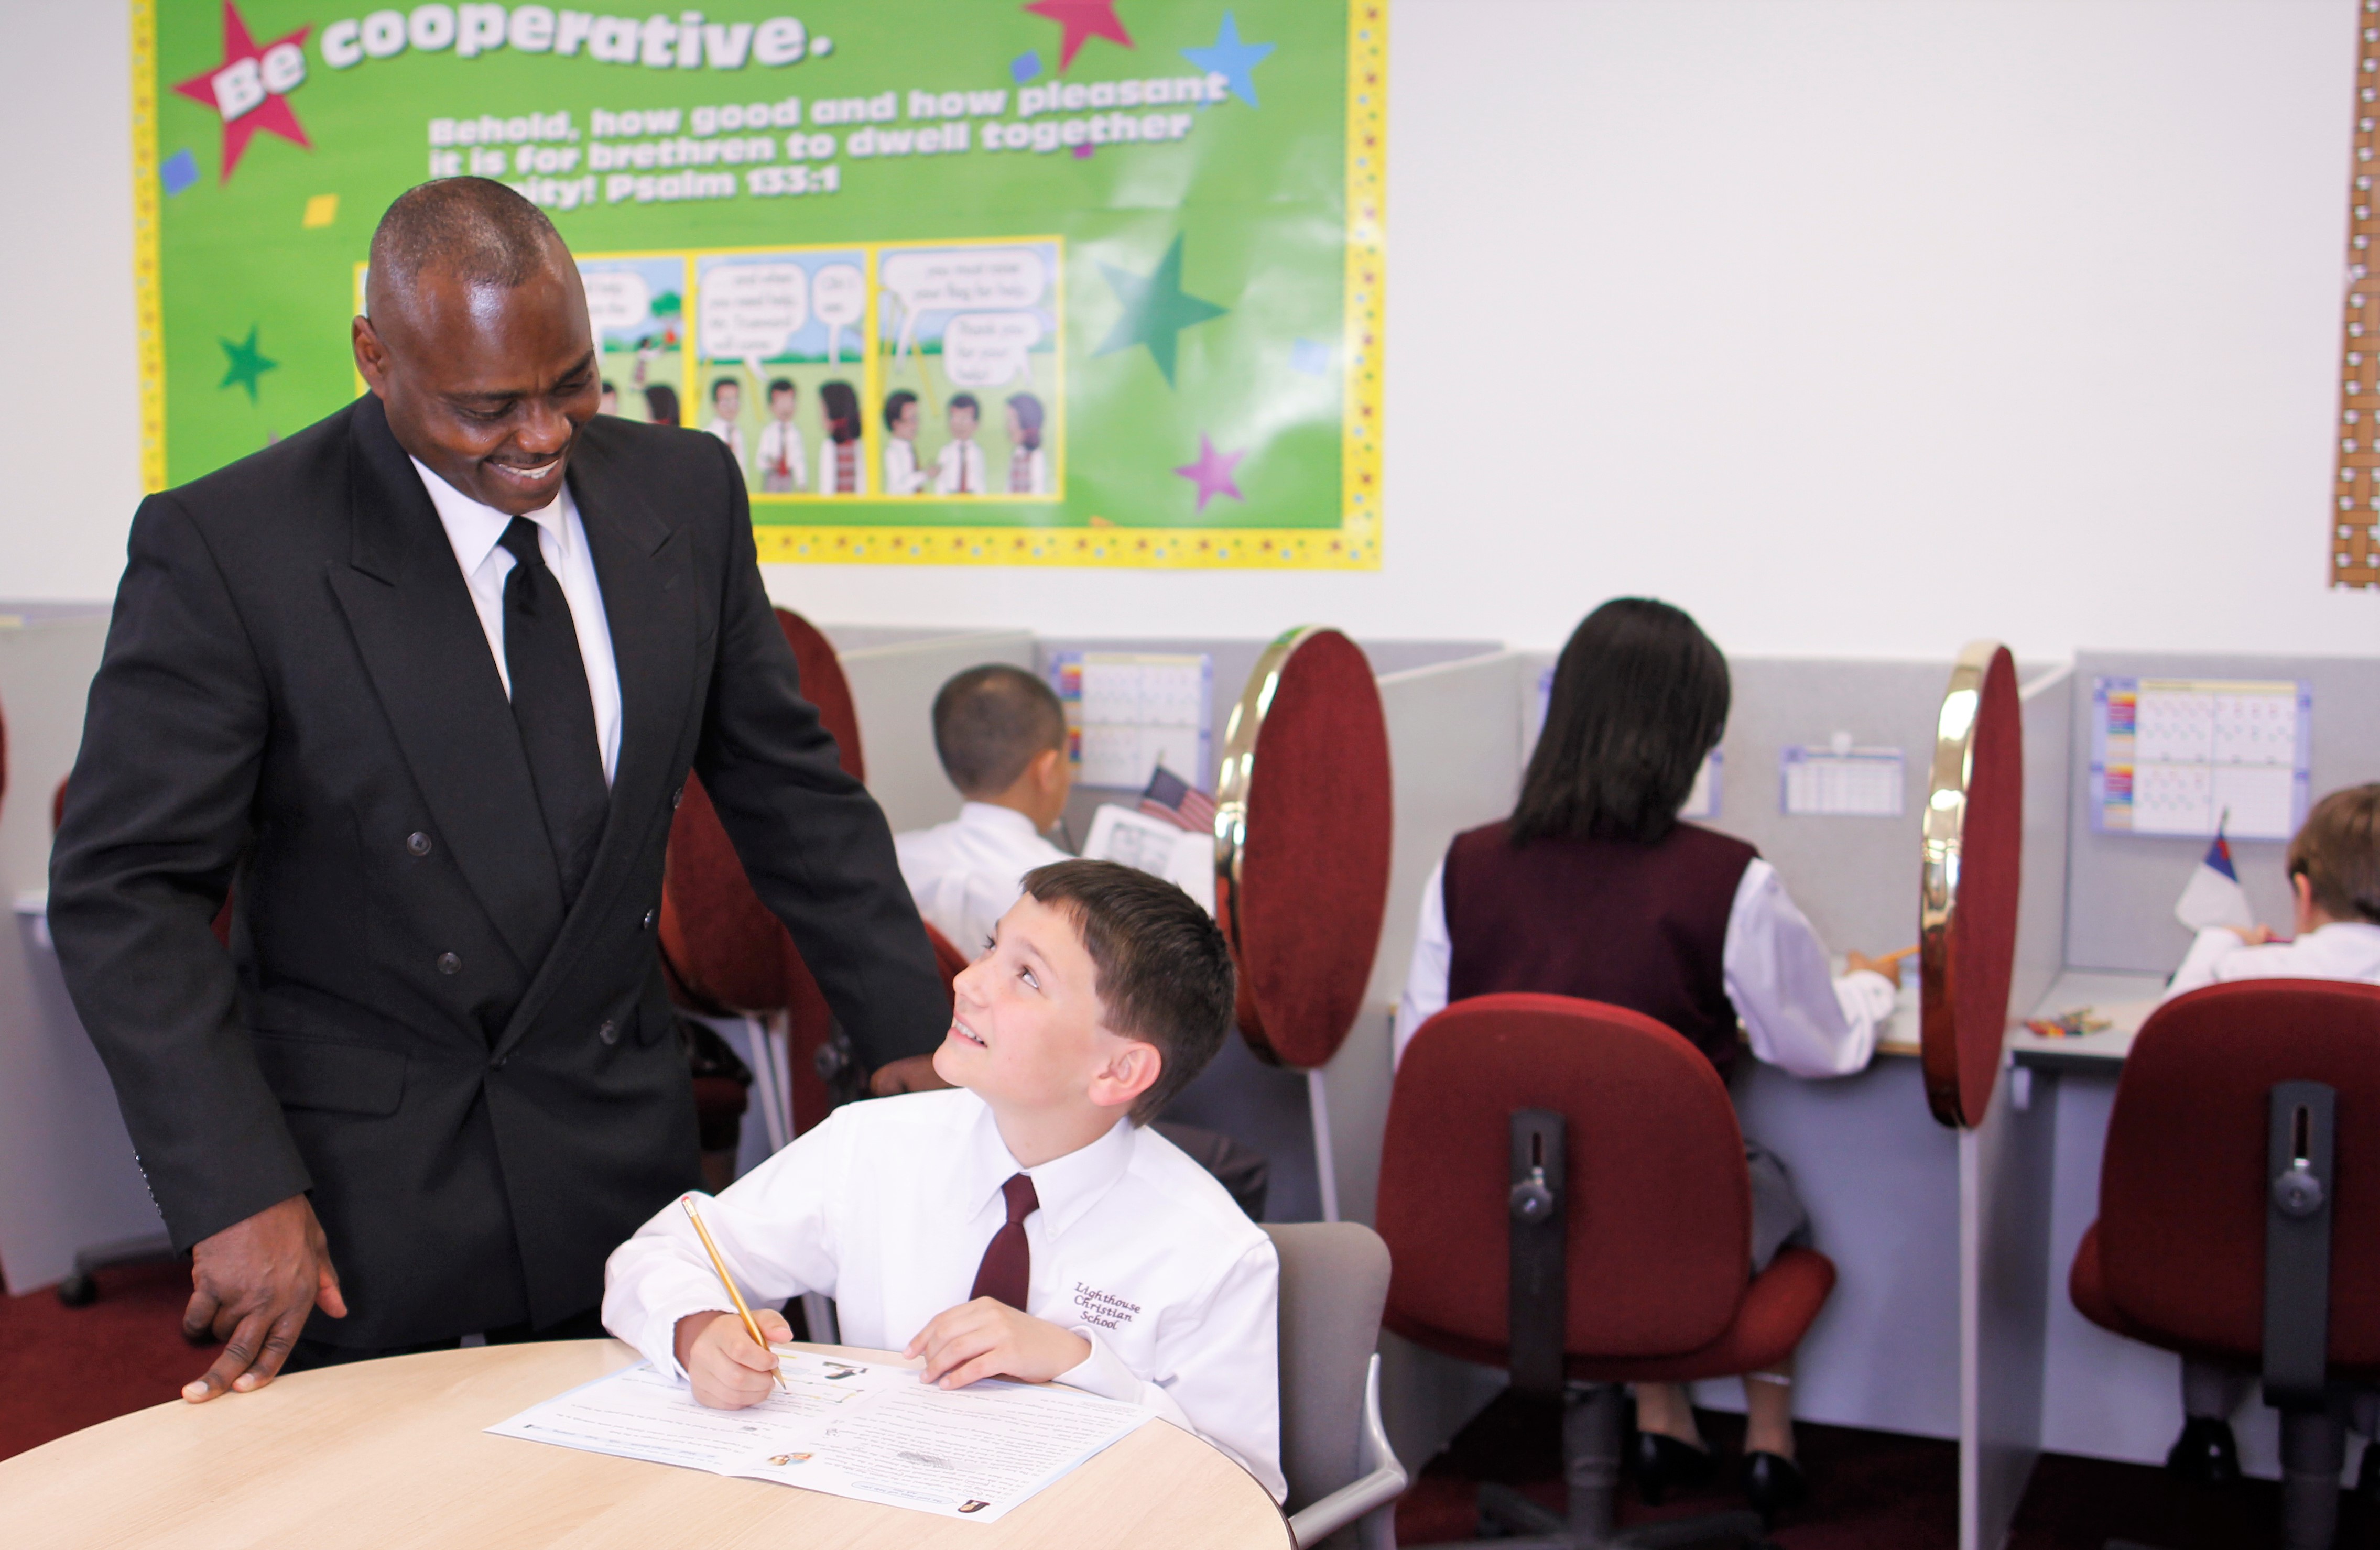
pixel 1593 888
pixel 841 471
pixel 1028 463
pixel 660 404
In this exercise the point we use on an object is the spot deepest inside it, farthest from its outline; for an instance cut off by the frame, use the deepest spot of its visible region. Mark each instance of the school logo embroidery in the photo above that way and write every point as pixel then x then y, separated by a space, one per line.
pixel 1104 1309
pixel 250 89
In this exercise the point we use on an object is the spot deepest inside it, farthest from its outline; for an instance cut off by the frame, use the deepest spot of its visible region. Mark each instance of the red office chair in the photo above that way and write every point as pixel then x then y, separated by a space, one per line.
pixel 1563 1192
pixel 2240 1207
pixel 724 953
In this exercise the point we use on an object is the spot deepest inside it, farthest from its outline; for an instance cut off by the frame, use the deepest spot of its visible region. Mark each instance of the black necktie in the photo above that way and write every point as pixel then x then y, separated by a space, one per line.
pixel 552 709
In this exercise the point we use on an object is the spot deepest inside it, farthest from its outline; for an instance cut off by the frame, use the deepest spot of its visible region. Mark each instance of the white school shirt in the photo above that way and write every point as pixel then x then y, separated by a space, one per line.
pixel 965 874
pixel 1800 1018
pixel 783 437
pixel 888 1206
pixel 473 531
pixel 902 475
pixel 1037 470
pixel 729 432
pixel 947 463
pixel 2342 950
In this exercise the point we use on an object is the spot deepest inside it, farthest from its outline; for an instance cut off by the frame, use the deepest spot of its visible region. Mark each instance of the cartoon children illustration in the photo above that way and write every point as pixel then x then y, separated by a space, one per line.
pixel 840 469
pixel 959 468
pixel 727 408
pixel 902 475
pixel 783 468
pixel 1029 460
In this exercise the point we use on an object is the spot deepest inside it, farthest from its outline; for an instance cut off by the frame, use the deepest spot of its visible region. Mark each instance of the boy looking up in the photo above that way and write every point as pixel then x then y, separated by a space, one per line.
pixel 1002 735
pixel 1023 1224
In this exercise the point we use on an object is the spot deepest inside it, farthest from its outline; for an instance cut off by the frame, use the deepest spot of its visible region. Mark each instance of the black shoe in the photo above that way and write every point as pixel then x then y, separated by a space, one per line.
pixel 2207 1452
pixel 1664 1464
pixel 1774 1484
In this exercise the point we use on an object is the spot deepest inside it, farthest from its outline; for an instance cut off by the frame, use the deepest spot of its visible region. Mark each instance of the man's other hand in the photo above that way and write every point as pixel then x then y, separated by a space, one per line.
pixel 986 1338
pixel 726 1370
pixel 916 1074
pixel 251 1287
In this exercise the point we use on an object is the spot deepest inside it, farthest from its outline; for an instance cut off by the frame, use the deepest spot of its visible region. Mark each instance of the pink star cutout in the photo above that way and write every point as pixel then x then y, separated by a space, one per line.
pixel 274 112
pixel 1212 473
pixel 1083 19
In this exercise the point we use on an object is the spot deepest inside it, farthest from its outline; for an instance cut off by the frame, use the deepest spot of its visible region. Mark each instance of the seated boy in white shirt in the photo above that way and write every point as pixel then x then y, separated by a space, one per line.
pixel 1002 735
pixel 1023 1224
pixel 2334 867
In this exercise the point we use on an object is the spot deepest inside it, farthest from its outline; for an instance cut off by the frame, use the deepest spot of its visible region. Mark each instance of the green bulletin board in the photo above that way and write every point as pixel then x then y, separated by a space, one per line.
pixel 1066 282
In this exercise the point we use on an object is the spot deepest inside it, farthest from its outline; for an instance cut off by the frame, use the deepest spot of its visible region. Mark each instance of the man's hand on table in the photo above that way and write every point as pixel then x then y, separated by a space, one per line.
pixel 251 1287
pixel 725 1370
pixel 916 1074
pixel 986 1338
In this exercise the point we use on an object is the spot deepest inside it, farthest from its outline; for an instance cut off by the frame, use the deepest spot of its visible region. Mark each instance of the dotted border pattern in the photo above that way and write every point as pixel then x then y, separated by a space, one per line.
pixel 2355 523
pixel 147 320
pixel 1355 544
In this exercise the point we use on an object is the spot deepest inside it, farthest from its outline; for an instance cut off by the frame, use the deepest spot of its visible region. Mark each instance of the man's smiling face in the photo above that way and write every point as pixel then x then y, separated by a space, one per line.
pixel 486 385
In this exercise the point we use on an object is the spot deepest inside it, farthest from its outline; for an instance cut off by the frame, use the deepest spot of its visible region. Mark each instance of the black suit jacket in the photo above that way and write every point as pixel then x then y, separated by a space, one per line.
pixel 481 1089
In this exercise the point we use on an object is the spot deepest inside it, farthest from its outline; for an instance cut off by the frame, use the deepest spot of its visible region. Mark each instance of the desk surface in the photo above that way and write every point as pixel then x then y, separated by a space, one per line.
pixel 2125 999
pixel 392 1453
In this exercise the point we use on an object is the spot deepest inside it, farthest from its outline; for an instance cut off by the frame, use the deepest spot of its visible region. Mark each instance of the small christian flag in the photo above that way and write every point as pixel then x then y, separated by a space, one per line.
pixel 1170 797
pixel 2214 896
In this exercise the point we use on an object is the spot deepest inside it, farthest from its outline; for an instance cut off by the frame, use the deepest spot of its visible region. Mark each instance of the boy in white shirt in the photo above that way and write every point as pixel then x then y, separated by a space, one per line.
pixel 2334 867
pixel 958 468
pixel 902 475
pixel 1025 1223
pixel 783 467
pixel 726 412
pixel 1002 735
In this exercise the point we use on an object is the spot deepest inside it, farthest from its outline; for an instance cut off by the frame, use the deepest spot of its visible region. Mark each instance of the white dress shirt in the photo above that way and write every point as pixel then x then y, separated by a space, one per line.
pixel 729 432
pixel 780 441
pixel 888 1206
pixel 473 530
pixel 1028 471
pixel 902 475
pixel 2342 950
pixel 955 457
pixel 1800 1017
pixel 965 874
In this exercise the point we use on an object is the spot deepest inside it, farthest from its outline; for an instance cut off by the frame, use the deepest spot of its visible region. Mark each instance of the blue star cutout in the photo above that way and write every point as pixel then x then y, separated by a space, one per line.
pixel 1156 309
pixel 247 363
pixel 1233 59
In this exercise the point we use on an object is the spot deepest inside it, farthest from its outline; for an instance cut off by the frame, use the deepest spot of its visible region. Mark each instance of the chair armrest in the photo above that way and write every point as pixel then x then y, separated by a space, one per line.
pixel 1383 1481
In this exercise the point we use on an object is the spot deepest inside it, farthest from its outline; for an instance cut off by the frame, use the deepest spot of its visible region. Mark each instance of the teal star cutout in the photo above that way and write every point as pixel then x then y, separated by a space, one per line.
pixel 247 363
pixel 1156 309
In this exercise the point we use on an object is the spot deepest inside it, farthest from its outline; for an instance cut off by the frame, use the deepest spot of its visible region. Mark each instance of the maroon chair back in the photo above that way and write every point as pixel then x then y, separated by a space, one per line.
pixel 1304 835
pixel 1967 909
pixel 1659 1249
pixel 2180 1236
pixel 949 962
pixel 723 949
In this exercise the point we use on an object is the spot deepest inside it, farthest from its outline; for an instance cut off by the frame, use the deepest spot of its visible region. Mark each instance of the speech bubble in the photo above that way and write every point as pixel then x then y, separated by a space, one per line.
pixel 616 299
pixel 988 349
pixel 839 299
pixel 752 310
pixel 966 277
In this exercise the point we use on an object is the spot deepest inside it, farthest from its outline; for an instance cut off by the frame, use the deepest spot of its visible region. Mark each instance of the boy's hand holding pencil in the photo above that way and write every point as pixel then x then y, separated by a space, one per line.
pixel 726 1356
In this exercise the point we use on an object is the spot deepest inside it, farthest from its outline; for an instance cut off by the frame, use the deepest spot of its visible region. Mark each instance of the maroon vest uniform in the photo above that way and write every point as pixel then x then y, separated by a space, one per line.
pixel 1641 926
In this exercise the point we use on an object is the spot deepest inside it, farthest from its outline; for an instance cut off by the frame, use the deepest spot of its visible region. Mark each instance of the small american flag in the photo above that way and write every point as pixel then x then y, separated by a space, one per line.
pixel 1175 800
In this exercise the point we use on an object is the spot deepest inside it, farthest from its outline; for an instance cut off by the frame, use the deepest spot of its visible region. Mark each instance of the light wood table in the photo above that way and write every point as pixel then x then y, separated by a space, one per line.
pixel 392 1453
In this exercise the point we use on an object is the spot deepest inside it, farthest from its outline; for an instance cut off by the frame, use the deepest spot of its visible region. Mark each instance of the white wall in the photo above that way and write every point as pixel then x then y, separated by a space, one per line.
pixel 1856 328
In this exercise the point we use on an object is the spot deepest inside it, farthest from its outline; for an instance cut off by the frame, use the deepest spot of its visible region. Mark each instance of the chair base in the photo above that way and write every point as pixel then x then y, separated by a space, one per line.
pixel 1591 1428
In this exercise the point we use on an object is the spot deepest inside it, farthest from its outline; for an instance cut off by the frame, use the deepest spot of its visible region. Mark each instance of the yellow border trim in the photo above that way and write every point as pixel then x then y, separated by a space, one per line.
pixel 147 311
pixel 1353 545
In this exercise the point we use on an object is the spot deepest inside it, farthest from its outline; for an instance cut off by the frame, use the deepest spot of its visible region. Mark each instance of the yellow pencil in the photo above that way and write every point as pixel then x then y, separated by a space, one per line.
pixel 751 1325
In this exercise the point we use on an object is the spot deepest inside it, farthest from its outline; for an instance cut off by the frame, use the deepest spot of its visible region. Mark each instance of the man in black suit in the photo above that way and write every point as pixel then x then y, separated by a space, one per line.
pixel 425 680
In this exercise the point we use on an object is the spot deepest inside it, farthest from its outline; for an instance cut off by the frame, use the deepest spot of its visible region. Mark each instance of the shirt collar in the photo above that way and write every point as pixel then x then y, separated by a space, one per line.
pixel 473 530
pixel 1066 1186
pixel 991 815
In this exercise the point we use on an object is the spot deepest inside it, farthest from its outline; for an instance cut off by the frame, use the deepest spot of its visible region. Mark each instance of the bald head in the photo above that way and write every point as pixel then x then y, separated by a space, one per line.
pixel 475 340
pixel 473 229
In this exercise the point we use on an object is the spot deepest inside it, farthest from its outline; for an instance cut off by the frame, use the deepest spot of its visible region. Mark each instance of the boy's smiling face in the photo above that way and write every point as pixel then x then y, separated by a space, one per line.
pixel 1026 1030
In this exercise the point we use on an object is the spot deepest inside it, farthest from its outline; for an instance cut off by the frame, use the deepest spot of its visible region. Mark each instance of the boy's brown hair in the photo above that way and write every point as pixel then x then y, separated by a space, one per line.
pixel 2338 852
pixel 1163 974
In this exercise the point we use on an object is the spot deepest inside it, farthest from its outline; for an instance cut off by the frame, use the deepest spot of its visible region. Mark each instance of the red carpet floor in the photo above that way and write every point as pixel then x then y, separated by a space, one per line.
pixel 61 1369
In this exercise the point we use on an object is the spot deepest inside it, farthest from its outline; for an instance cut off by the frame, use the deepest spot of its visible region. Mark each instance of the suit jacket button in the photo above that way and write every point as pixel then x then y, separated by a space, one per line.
pixel 609 1033
pixel 448 964
pixel 651 916
pixel 417 843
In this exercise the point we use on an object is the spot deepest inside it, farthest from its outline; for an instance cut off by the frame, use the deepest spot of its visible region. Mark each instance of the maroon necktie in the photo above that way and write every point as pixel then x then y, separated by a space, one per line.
pixel 1007 1269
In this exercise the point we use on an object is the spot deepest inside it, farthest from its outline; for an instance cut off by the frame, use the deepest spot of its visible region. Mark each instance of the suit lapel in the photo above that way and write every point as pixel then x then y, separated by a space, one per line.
pixel 642 564
pixel 427 655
